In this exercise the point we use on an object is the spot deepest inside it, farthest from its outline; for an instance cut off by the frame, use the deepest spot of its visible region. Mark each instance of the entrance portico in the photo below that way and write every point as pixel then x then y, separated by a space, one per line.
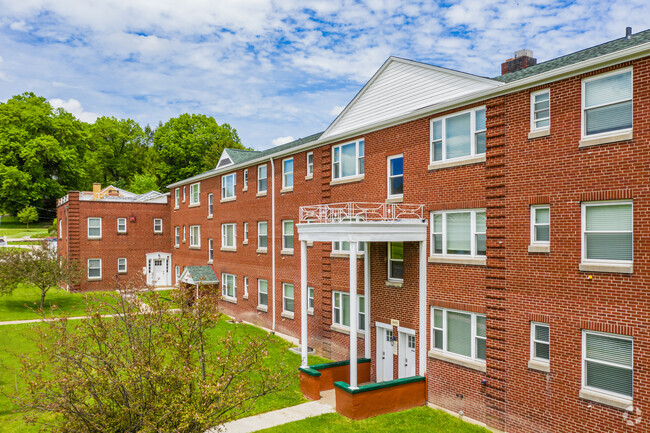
pixel 356 223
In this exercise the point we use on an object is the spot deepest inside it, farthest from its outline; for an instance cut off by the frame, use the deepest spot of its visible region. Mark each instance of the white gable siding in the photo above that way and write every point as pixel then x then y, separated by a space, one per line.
pixel 403 87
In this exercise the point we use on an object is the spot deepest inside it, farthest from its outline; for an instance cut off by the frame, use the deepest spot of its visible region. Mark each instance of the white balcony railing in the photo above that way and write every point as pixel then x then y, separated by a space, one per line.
pixel 343 212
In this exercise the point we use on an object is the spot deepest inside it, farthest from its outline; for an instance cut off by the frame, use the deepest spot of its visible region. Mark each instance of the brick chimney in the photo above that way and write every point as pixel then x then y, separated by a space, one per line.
pixel 522 60
pixel 97 188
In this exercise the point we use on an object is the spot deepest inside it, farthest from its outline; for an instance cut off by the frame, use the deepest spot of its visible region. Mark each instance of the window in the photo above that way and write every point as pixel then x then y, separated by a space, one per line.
pixel 607 363
pixel 210 205
pixel 184 238
pixel 210 250
pixel 228 183
pixel 458 232
pixel 157 225
pixel 229 235
pixel 261 235
pixel 348 160
pixel 195 236
pixel 245 233
pixel 458 136
pixel 310 165
pixel 177 236
pixel 184 191
pixel 396 261
pixel 94 228
pixel 607 103
pixel 195 194
pixel 395 176
pixel 343 247
pixel 121 225
pixel 310 299
pixel 245 287
pixel 177 198
pixel 121 266
pixel 245 180
pixel 60 229
pixel 262 293
pixel 607 232
pixel 540 347
pixel 540 110
pixel 341 310
pixel 94 269
pixel 287 298
pixel 261 178
pixel 287 173
pixel 178 273
pixel 287 235
pixel 229 286
pixel 459 333
pixel 540 225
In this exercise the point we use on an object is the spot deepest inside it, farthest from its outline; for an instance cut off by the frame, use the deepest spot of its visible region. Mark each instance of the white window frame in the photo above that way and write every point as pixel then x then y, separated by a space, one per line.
pixel 474 335
pixel 184 192
pixel 266 225
pixel 245 187
pixel 444 213
pixel 184 234
pixel 533 121
pixel 177 198
pixel 362 314
pixel 195 194
pixel 95 278
pixel 310 165
pixel 100 228
pixel 245 242
pixel 210 205
pixel 123 230
pixel 584 206
pixel 177 273
pixel 473 133
pixel 245 287
pixel 224 237
pixel 360 153
pixel 60 229
pixel 534 224
pixel 224 286
pixel 195 238
pixel 534 340
pixel 285 297
pixel 338 248
pixel 310 300
pixel 210 250
pixel 390 176
pixel 585 359
pixel 583 122
pixel 285 235
pixel 157 222
pixel 121 271
pixel 288 174
pixel 177 236
pixel 390 259
pixel 259 292
pixel 260 178
pixel 224 192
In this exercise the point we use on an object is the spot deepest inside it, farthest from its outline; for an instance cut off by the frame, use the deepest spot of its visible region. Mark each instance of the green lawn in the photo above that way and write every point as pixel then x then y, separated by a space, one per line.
pixel 21 304
pixel 419 419
pixel 12 228
pixel 16 339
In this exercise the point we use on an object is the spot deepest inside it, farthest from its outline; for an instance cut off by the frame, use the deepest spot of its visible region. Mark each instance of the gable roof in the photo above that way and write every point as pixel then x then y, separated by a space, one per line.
pixel 579 56
pixel 199 275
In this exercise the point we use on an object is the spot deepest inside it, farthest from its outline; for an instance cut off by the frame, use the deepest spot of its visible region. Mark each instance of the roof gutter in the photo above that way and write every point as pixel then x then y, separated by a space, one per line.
pixel 625 55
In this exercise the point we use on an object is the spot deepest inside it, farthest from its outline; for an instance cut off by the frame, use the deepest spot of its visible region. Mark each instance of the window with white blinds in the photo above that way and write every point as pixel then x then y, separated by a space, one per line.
pixel 229 286
pixel 458 233
pixel 341 310
pixel 607 103
pixel 228 185
pixel 607 232
pixel 457 136
pixel 459 333
pixel 229 235
pixel 540 110
pixel 607 363
pixel 540 225
pixel 540 346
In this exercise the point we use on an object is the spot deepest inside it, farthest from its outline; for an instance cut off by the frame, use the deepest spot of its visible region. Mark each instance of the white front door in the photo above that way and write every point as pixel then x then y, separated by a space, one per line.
pixel 384 353
pixel 158 265
pixel 406 354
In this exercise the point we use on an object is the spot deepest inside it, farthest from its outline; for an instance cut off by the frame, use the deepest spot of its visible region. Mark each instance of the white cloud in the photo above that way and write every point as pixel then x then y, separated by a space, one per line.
pixel 282 140
pixel 75 108
pixel 336 110
pixel 19 26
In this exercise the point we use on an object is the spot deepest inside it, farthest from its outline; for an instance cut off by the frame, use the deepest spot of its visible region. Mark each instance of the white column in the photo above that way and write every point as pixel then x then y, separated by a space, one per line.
pixel 423 309
pixel 366 295
pixel 303 302
pixel 354 315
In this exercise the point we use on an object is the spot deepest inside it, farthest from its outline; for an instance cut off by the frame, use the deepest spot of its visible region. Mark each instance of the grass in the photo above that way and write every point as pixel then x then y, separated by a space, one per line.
pixel 21 305
pixel 24 243
pixel 12 228
pixel 418 419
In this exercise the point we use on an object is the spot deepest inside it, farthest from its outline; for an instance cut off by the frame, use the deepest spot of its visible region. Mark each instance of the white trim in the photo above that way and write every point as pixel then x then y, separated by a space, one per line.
pixel 266 178
pixel 154 225
pixel 224 237
pixel 88 270
pixel 340 324
pixel 473 337
pixel 285 249
pixel 195 239
pixel 177 198
pixel 534 340
pixel 390 259
pixel 224 190
pixel 118 226
pixel 224 287
pixel 473 154
pixel 310 175
pixel 118 266
pixel 177 236
pixel 285 174
pixel 88 227
pixel 284 310
pixel 583 124
pixel 359 171
pixel 534 224
pixel 196 202
pixel 533 127
pixel 245 187
pixel 390 176
pixel 624 264
pixel 266 224
pixel 259 304
pixel 210 250
pixel 210 205
pixel 441 257
pixel 245 241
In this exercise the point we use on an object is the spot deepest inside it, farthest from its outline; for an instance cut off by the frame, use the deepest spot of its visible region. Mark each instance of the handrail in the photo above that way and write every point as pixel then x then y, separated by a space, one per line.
pixel 354 211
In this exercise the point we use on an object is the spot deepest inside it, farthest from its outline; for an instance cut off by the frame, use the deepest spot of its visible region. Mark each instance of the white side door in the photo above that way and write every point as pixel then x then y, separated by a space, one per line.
pixel 384 353
pixel 406 354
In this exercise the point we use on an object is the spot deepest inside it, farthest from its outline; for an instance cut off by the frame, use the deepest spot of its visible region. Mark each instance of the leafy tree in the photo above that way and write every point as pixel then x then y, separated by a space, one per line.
pixel 148 370
pixel 28 215
pixel 191 144
pixel 41 267
pixel 142 183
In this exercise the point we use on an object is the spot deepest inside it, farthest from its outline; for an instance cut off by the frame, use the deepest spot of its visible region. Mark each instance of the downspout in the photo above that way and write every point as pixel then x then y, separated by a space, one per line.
pixel 273 240
pixel 67 239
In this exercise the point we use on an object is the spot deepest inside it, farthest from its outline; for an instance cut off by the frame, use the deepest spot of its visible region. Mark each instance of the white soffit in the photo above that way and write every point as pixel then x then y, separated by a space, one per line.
pixel 401 86
pixel 411 230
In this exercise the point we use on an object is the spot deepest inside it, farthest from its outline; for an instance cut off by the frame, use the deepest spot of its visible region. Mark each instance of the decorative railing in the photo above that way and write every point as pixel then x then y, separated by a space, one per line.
pixel 345 212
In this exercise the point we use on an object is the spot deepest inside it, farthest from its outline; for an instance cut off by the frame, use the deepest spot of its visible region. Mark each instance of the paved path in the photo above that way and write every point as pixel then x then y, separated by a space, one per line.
pixel 21 322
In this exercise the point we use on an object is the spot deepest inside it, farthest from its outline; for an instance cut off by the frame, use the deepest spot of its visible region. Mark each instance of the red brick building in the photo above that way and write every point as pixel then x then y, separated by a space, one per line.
pixel 504 224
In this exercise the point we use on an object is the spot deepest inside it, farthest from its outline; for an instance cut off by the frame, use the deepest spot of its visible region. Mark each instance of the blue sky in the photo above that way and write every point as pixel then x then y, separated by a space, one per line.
pixel 274 70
